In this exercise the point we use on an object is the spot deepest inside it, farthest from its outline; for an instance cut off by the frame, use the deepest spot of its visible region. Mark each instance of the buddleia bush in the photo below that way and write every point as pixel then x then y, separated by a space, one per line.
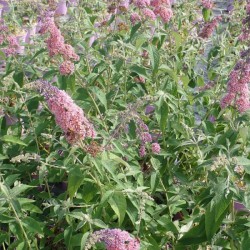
pixel 124 125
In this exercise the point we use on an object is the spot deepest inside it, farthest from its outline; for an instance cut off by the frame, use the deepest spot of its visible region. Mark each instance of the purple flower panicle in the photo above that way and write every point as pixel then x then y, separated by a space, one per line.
pixel 114 239
pixel 207 4
pixel 156 148
pixel 56 44
pixel 68 115
pixel 209 27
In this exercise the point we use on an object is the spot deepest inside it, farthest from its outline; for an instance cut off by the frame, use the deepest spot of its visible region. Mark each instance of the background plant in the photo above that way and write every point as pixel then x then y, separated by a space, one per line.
pixel 130 80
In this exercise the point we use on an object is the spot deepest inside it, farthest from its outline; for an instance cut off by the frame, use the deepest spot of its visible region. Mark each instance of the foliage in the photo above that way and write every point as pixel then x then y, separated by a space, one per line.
pixel 54 195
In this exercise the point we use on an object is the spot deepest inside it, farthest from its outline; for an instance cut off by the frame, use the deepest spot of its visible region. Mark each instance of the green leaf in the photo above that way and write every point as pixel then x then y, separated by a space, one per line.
pixel 49 74
pixel 31 208
pixel 241 160
pixel 134 29
pixel 84 240
pixel 139 70
pixel 3 157
pixel 215 213
pixel 185 79
pixel 154 181
pixel 3 237
pixel 154 58
pixel 71 83
pixel 4 189
pixel 2 55
pixel 67 82
pixel 12 139
pixel 177 38
pixel 68 236
pixel 154 245
pixel 163 116
pixel 119 205
pixel 246 241
pixel 9 181
pixel 33 104
pixel 32 225
pixel 99 223
pixel 167 223
pixel 21 246
pixel 244 134
pixel 132 129
pixel 18 77
pixel 15 191
pixel 169 71
pixel 6 219
pixel 101 96
pixel 74 181
pixel 206 14
pixel 38 53
pixel 195 235
pixel 106 197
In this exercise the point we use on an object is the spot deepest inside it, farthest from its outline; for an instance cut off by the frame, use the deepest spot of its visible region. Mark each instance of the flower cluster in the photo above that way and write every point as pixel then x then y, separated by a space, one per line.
pixel 10 41
pixel 114 239
pixel 152 9
pixel 68 115
pixel 148 9
pixel 207 4
pixel 146 139
pixel 239 78
pixel 57 46
pixel 237 87
pixel 245 34
pixel 219 162
pixel 209 27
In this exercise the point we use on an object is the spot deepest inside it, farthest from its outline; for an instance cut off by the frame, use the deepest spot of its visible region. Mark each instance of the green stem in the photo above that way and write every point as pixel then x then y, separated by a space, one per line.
pixel 20 224
pixel 47 186
pixel 98 110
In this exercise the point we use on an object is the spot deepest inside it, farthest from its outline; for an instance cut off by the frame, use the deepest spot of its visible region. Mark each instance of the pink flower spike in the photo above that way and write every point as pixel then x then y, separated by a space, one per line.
pixel 148 14
pixel 156 148
pixel 67 68
pixel 142 3
pixel 68 115
pixel 135 18
pixel 207 4
pixel 142 151
pixel 114 239
pixel 165 13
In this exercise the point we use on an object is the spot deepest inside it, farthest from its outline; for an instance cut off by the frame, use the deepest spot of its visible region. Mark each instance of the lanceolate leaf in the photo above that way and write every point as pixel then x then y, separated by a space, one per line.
pixel 196 235
pixel 154 58
pixel 12 139
pixel 75 180
pixel 32 225
pixel 215 213
pixel 119 205
pixel 18 77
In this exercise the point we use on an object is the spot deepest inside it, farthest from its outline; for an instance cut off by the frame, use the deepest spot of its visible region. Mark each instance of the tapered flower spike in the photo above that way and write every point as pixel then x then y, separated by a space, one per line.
pixel 68 115
pixel 56 44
